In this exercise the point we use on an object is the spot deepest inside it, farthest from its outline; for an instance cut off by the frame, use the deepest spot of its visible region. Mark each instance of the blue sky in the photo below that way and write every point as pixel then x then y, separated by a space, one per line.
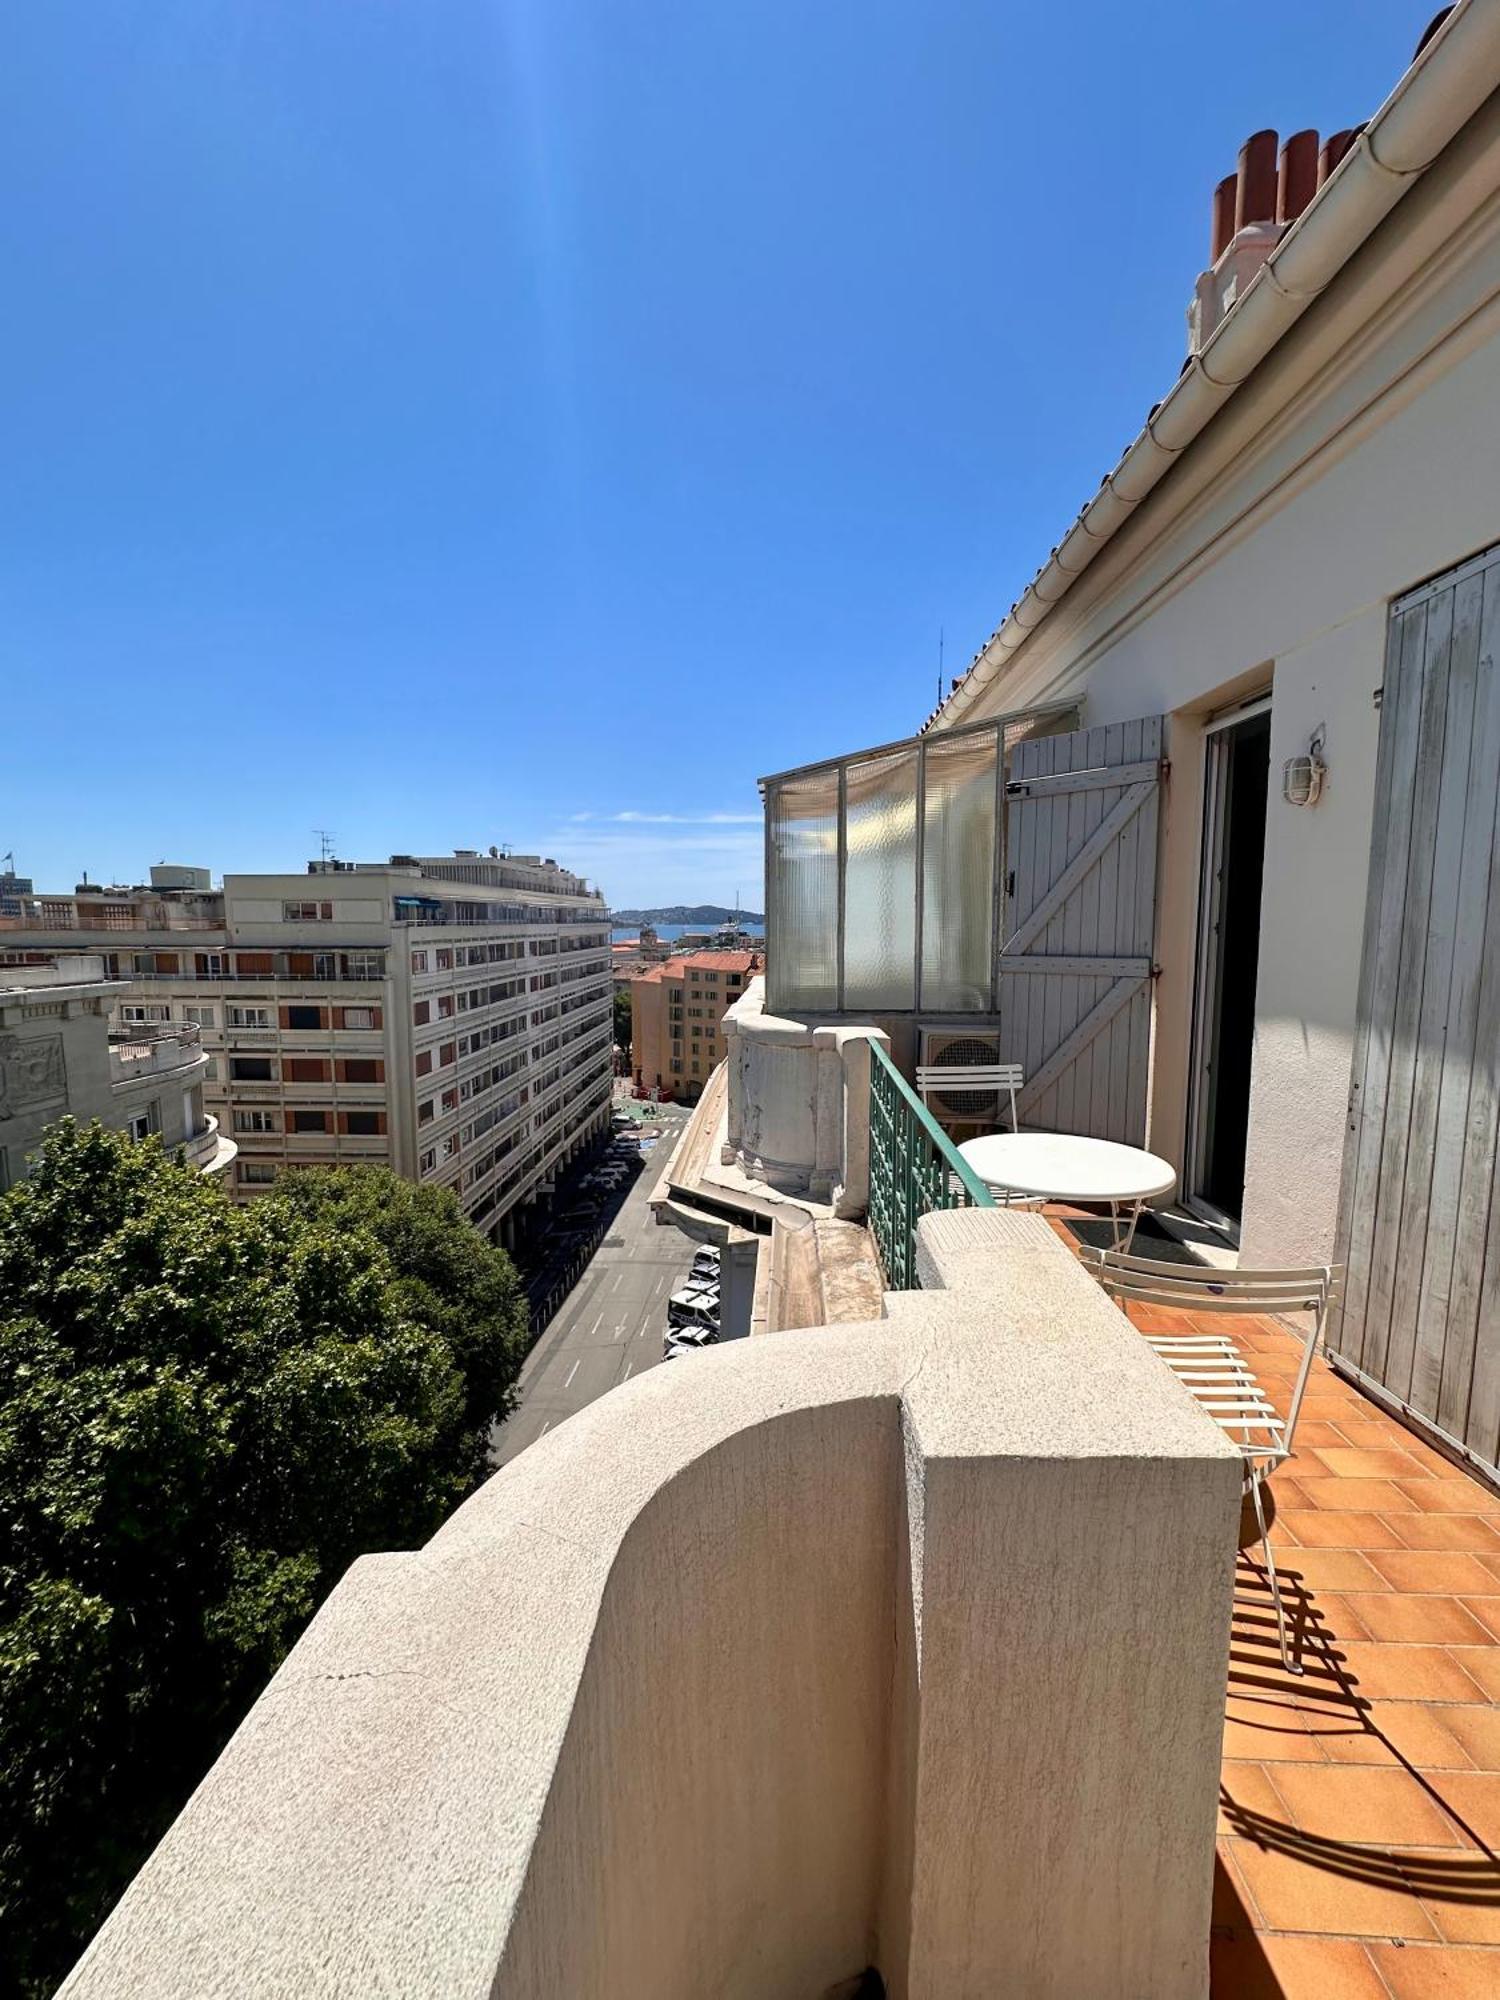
pixel 454 421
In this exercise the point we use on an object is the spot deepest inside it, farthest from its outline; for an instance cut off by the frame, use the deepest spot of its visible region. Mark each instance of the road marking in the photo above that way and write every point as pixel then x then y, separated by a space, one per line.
pixel 571 1373
pixel 626 1376
pixel 543 1431
pixel 595 1327
pixel 619 1329
pixel 619 1280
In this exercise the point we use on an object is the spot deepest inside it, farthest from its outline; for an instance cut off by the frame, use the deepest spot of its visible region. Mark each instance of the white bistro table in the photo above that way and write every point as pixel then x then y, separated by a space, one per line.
pixel 1055 1166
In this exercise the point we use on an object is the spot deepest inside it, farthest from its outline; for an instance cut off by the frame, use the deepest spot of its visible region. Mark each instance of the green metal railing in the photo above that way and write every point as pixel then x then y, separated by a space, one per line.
pixel 914 1168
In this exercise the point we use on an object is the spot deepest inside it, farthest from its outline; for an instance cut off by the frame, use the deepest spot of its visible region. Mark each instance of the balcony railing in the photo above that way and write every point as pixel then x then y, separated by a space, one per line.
pixel 152 1048
pixel 914 1168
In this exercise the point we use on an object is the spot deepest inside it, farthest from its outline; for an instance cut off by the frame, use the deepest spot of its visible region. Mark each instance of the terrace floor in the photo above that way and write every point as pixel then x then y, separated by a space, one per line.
pixel 1359 1850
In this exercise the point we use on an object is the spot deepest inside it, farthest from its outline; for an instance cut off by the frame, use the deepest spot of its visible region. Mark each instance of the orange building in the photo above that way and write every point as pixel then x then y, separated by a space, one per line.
pixel 675 1012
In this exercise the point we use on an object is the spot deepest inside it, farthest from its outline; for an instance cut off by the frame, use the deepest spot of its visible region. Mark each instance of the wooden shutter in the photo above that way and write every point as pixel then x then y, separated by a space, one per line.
pixel 1080 910
pixel 1419 1225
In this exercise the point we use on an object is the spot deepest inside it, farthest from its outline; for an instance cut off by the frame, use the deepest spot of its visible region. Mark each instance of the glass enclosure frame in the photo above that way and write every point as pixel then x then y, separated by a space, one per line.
pixel 808 873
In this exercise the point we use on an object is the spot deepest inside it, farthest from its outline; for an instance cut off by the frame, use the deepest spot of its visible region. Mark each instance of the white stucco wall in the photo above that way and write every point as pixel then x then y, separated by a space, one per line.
pixel 900 1643
pixel 1360 462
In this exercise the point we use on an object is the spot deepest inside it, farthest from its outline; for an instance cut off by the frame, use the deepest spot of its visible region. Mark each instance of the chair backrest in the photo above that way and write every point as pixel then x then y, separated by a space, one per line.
pixel 1197 1288
pixel 1003 1078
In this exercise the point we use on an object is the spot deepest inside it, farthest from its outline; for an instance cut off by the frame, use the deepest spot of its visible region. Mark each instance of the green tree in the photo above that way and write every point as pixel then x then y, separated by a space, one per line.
pixel 624 1024
pixel 206 1413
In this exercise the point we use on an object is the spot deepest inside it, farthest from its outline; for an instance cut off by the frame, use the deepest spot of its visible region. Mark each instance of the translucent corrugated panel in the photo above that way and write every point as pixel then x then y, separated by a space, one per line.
pixel 958 873
pixel 880 881
pixel 802 909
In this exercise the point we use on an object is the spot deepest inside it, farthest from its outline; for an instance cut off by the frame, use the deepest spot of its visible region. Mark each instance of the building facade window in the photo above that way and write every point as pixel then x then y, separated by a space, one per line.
pixel 424 1063
pixel 419 961
pixel 421 1013
pixel 251 1069
pixel 359 1017
pixel 363 1124
pixel 306 913
pixel 304 1017
pixel 361 1069
pixel 255 1121
pixel 205 1017
pixel 309 1121
pixel 248 1017
pixel 257 1173
pixel 425 1111
pixel 305 1069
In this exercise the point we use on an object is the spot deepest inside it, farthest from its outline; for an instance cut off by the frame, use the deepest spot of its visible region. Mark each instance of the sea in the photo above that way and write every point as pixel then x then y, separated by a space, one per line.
pixel 671 931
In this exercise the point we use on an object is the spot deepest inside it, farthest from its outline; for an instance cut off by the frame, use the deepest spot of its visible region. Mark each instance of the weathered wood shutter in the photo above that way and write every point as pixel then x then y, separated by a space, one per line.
pixel 1075 965
pixel 1419 1223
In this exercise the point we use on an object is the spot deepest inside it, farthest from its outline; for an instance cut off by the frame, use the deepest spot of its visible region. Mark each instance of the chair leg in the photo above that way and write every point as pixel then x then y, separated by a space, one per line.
pixel 1265 1542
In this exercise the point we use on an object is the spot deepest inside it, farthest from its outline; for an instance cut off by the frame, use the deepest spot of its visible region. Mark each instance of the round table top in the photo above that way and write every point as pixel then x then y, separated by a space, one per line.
pixel 1065 1168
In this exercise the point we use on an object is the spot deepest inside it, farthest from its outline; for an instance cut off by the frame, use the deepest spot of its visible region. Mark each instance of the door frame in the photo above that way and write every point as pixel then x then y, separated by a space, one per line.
pixel 1205 954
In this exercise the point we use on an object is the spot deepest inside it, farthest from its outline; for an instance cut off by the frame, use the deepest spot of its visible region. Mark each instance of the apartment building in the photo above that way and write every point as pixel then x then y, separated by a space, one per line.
pixel 676 1010
pixel 447 1016
pixel 59 1058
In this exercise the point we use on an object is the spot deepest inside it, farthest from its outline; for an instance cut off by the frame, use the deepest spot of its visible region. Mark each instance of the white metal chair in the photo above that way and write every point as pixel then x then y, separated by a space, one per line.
pixel 1212 1368
pixel 1004 1079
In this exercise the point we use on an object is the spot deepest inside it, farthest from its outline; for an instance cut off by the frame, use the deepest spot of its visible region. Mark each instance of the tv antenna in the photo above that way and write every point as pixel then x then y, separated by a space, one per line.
pixel 940 666
pixel 325 838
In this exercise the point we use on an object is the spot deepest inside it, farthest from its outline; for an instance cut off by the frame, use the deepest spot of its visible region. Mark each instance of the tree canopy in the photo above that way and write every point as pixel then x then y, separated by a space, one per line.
pixel 206 1413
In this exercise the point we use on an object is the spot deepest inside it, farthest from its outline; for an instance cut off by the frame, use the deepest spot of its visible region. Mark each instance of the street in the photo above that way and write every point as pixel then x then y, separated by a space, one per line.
pixel 610 1326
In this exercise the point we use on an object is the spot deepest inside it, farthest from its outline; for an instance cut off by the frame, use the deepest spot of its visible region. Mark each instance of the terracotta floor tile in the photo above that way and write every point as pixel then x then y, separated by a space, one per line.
pixel 1298 1892
pixel 1373 1433
pixel 1336 1569
pixel 1379 1464
pixel 1434 1572
pixel 1246 1789
pixel 1310 1435
pixel 1476 1731
pixel 1487 1611
pixel 1312 1528
pixel 1452 1494
pixel 1471 1532
pixel 1474 1796
pixel 1490 1558
pixel 1469 1913
pixel 1268 1732
pixel 1346 1495
pixel 1325 1409
pixel 1482 1664
pixel 1409 1673
pixel 1433 1621
pixel 1258 1967
pixel 1392 1732
pixel 1436 1972
pixel 1371 1807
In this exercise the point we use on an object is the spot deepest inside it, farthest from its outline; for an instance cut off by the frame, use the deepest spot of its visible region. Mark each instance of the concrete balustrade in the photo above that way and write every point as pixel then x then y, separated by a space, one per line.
pixel 899 1644
pixel 799 1102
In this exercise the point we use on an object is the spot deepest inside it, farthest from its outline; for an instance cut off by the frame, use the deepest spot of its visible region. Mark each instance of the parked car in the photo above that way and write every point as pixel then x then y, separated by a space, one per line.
pixel 693 1309
pixel 686 1340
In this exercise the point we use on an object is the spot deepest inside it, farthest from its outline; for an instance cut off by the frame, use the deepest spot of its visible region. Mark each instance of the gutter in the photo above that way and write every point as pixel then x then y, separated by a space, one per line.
pixel 1436 97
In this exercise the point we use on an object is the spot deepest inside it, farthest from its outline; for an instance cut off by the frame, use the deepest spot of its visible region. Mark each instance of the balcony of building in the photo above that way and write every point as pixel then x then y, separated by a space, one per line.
pixel 156 1076
pixel 140 1049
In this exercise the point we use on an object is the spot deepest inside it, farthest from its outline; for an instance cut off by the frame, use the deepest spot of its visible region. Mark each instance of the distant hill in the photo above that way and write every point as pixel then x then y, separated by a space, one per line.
pixel 684 913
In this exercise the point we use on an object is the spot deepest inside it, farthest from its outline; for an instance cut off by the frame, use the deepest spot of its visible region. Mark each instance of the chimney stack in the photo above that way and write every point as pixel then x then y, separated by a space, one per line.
pixel 1297 176
pixel 1253 208
pixel 1255 195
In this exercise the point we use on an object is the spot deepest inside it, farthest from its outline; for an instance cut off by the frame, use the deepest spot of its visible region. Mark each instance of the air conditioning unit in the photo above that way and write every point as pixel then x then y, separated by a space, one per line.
pixel 961 1045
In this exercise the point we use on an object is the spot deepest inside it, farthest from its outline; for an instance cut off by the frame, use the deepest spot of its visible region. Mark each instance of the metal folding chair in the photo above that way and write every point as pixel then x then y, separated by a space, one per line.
pixel 1005 1079
pixel 1212 1368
